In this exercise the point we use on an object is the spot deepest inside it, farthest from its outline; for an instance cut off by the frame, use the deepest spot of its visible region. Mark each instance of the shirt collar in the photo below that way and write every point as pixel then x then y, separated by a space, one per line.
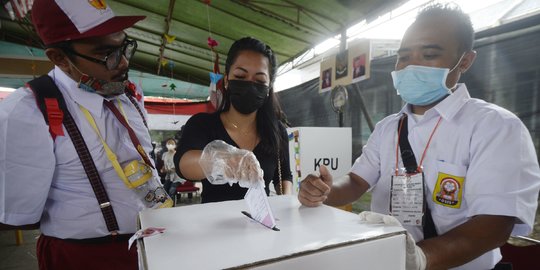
pixel 451 105
pixel 448 107
pixel 91 101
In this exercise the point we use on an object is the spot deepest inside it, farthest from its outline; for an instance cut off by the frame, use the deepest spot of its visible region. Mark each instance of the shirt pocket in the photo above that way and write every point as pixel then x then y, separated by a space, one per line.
pixel 448 191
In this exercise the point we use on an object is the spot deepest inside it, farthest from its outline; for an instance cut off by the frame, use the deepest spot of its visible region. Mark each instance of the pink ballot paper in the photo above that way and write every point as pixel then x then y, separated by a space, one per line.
pixel 259 208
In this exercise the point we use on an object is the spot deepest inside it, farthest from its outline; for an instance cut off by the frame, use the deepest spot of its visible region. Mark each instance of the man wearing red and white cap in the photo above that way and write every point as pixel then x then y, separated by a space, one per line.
pixel 43 182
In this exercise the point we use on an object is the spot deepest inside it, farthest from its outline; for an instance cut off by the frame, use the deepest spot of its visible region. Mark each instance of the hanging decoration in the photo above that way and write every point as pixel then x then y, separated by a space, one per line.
pixel 215 95
pixel 169 39
pixel 216 84
pixel 164 62
pixel 212 43
pixel 172 86
pixel 171 66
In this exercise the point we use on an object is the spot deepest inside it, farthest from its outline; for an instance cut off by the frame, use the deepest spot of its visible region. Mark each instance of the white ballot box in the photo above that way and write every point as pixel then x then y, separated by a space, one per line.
pixel 219 236
pixel 311 147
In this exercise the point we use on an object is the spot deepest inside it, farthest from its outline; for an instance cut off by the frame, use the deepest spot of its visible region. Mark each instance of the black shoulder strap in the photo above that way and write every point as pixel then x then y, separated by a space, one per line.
pixel 407 155
pixel 409 161
pixel 45 88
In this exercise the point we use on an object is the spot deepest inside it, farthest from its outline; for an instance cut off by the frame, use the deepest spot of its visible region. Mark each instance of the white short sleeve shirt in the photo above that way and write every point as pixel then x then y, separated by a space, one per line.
pixel 481 161
pixel 43 180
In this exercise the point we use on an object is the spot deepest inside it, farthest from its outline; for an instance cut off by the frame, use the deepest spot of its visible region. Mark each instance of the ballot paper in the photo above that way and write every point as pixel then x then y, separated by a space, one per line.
pixel 259 207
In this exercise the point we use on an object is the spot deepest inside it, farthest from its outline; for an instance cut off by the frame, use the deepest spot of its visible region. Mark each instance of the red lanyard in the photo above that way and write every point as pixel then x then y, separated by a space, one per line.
pixel 419 168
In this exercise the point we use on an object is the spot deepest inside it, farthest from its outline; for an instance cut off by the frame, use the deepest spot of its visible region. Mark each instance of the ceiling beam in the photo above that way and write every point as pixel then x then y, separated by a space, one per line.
pixel 269 13
pixel 308 10
pixel 307 42
pixel 316 20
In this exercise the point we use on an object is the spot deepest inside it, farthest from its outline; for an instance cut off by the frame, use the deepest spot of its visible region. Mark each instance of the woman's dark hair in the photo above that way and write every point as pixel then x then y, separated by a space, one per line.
pixel 267 118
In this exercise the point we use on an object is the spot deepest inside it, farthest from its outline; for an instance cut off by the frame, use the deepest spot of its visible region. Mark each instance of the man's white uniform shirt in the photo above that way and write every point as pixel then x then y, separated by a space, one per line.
pixel 44 180
pixel 483 149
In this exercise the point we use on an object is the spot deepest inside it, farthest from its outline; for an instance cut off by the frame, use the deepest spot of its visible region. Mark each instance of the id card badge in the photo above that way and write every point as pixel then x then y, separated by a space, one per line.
pixel 407 198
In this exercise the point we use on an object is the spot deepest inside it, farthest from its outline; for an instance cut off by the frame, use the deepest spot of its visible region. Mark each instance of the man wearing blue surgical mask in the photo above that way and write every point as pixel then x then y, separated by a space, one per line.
pixel 460 174
pixel 430 62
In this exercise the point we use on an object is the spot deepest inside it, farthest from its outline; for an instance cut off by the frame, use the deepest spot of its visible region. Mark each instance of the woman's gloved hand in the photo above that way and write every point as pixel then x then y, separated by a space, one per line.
pixel 223 163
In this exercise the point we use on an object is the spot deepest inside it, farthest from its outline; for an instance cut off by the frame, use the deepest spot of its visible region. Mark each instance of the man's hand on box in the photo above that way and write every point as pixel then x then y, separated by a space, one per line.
pixel 314 189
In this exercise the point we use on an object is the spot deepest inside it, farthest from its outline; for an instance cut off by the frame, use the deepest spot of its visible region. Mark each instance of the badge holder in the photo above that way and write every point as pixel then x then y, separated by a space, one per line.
pixel 140 179
pixel 407 202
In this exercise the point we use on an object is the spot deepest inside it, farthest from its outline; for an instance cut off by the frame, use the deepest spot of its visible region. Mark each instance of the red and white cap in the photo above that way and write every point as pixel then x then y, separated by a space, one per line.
pixel 62 20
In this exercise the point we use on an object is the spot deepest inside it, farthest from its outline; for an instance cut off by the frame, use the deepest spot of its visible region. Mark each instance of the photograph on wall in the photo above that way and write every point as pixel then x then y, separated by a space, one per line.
pixel 359 57
pixel 342 65
pixel 326 79
pixel 359 68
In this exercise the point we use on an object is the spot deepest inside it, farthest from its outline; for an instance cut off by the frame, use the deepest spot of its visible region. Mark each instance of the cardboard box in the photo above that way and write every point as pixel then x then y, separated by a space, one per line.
pixel 218 236
pixel 310 147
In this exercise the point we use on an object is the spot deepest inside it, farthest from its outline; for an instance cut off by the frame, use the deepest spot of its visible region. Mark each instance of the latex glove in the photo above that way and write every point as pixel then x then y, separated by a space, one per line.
pixel 223 163
pixel 415 257
pixel 314 189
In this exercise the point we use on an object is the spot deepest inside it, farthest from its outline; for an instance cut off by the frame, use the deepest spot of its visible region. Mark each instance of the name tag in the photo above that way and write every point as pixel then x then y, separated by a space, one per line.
pixel 407 199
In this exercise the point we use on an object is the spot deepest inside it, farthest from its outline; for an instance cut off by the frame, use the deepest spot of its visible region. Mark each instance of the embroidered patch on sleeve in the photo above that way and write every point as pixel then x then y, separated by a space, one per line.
pixel 448 190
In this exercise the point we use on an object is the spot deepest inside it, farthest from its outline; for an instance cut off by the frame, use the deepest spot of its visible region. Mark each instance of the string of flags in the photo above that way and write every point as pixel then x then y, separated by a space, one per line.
pixel 216 84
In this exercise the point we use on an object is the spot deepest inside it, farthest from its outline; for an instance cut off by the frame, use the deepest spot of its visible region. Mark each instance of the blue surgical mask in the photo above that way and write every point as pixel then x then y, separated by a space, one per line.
pixel 101 87
pixel 421 85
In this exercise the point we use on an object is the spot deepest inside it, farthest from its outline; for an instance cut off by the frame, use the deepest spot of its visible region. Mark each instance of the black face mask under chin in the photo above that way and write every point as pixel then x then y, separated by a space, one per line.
pixel 247 96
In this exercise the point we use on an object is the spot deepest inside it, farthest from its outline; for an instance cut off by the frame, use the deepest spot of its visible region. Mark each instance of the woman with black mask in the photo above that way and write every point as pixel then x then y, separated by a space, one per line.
pixel 247 119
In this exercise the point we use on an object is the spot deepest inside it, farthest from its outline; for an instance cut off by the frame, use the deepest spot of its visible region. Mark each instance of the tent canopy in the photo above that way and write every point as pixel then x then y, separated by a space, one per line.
pixel 290 27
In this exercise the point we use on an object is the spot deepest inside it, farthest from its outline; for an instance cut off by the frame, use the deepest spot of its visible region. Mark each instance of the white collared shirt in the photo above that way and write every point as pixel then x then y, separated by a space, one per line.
pixel 483 143
pixel 43 180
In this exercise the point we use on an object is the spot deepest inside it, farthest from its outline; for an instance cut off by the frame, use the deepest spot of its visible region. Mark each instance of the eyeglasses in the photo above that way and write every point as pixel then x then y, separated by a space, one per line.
pixel 112 60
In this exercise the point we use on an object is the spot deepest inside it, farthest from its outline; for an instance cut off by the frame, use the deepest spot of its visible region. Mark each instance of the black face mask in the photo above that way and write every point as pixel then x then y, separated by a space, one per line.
pixel 247 96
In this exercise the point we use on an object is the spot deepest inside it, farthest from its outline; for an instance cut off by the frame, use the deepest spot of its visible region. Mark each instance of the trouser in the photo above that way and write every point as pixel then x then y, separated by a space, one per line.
pixel 97 253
